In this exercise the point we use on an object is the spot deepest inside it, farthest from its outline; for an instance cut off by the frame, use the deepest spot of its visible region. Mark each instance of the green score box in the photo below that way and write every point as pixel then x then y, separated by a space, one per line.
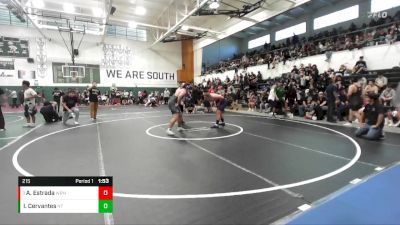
pixel 105 206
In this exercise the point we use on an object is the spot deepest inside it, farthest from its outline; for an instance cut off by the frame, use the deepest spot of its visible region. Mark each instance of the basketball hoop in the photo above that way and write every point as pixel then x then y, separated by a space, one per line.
pixel 74 75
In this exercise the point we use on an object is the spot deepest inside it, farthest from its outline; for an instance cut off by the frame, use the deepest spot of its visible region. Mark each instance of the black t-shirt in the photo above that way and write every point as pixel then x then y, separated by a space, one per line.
pixel 93 94
pixel 57 95
pixel 321 100
pixel 372 112
pixel 361 63
pixel 330 92
pixel 70 101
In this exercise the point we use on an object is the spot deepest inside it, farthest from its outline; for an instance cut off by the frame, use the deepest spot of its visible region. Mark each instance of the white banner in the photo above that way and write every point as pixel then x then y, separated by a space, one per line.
pixel 138 78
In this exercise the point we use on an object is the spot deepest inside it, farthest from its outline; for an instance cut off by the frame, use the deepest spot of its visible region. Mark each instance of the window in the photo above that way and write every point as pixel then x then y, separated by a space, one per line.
pixel 288 32
pixel 259 41
pixel 379 5
pixel 336 17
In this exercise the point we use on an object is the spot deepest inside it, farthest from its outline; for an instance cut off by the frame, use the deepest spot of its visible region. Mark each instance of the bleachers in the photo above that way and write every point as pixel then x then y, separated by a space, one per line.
pixel 393 75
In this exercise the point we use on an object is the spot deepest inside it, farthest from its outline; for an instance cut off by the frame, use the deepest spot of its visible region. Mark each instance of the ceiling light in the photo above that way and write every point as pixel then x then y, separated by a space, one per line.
pixel 214 5
pixel 97 12
pixel 140 11
pixel 38 3
pixel 68 8
pixel 184 27
pixel 132 25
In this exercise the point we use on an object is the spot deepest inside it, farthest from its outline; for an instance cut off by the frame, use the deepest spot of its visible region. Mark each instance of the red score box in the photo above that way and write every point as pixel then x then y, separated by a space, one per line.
pixel 105 193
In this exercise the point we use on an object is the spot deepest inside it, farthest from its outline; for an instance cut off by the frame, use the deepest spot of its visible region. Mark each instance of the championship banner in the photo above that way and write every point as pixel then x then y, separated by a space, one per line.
pixel 139 78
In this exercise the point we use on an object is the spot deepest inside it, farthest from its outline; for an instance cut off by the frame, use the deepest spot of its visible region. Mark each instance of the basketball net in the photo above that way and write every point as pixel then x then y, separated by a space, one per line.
pixel 73 77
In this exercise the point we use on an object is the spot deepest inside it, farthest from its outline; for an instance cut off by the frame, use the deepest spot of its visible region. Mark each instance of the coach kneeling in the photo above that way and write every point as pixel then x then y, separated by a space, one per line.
pixel 373 113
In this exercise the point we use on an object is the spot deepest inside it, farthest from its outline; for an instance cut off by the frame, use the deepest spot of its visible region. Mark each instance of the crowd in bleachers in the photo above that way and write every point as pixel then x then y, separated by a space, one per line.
pixel 110 97
pixel 380 31
pixel 304 93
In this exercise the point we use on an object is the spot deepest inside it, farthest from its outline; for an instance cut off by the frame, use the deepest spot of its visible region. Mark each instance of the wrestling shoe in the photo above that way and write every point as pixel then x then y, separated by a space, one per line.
pixel 215 126
pixel 170 133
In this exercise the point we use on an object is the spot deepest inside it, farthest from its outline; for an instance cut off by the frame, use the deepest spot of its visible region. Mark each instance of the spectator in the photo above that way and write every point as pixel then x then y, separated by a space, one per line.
pixel 370 88
pixel 252 101
pixel 372 119
pixel 21 97
pixel 394 117
pixel 387 96
pixel 381 81
pixel 14 97
pixel 57 94
pixel 342 105
pixel 391 37
pixel 3 99
pixel 280 95
pixel 360 67
pixel 295 70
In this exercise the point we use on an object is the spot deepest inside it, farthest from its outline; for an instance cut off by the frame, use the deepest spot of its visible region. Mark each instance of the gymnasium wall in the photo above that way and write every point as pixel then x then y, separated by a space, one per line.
pixel 377 57
pixel 149 67
pixel 220 52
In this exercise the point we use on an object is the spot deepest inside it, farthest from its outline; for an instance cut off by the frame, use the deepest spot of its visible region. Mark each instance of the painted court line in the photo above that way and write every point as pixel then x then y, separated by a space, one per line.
pixel 308 149
pixel 291 193
pixel 14 121
pixel 196 129
pixel 7 138
pixel 16 154
pixel 295 128
pixel 240 130
pixel 262 190
pixel 210 195
pixel 108 217
pixel 294 120
pixel 18 138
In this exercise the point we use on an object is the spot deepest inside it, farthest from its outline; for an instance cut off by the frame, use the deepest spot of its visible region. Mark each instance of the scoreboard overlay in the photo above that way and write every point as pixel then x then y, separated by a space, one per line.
pixel 65 194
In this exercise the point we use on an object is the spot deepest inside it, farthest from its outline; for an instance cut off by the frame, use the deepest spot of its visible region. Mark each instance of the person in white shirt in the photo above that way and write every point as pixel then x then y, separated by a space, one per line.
pixel 29 104
pixel 166 96
pixel 272 99
pixel 381 81
pixel 14 97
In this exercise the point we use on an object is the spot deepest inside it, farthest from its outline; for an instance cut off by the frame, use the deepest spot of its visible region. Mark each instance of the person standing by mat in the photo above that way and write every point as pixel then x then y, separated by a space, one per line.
pixel 94 93
pixel 331 99
pixel 174 103
pixel 221 104
pixel 69 102
pixel 166 95
pixel 29 104
pixel 57 94
pixel 354 97
pixel 3 100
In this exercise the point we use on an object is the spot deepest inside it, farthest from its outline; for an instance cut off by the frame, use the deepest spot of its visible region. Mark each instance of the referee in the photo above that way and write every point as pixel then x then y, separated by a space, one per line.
pixel 94 93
